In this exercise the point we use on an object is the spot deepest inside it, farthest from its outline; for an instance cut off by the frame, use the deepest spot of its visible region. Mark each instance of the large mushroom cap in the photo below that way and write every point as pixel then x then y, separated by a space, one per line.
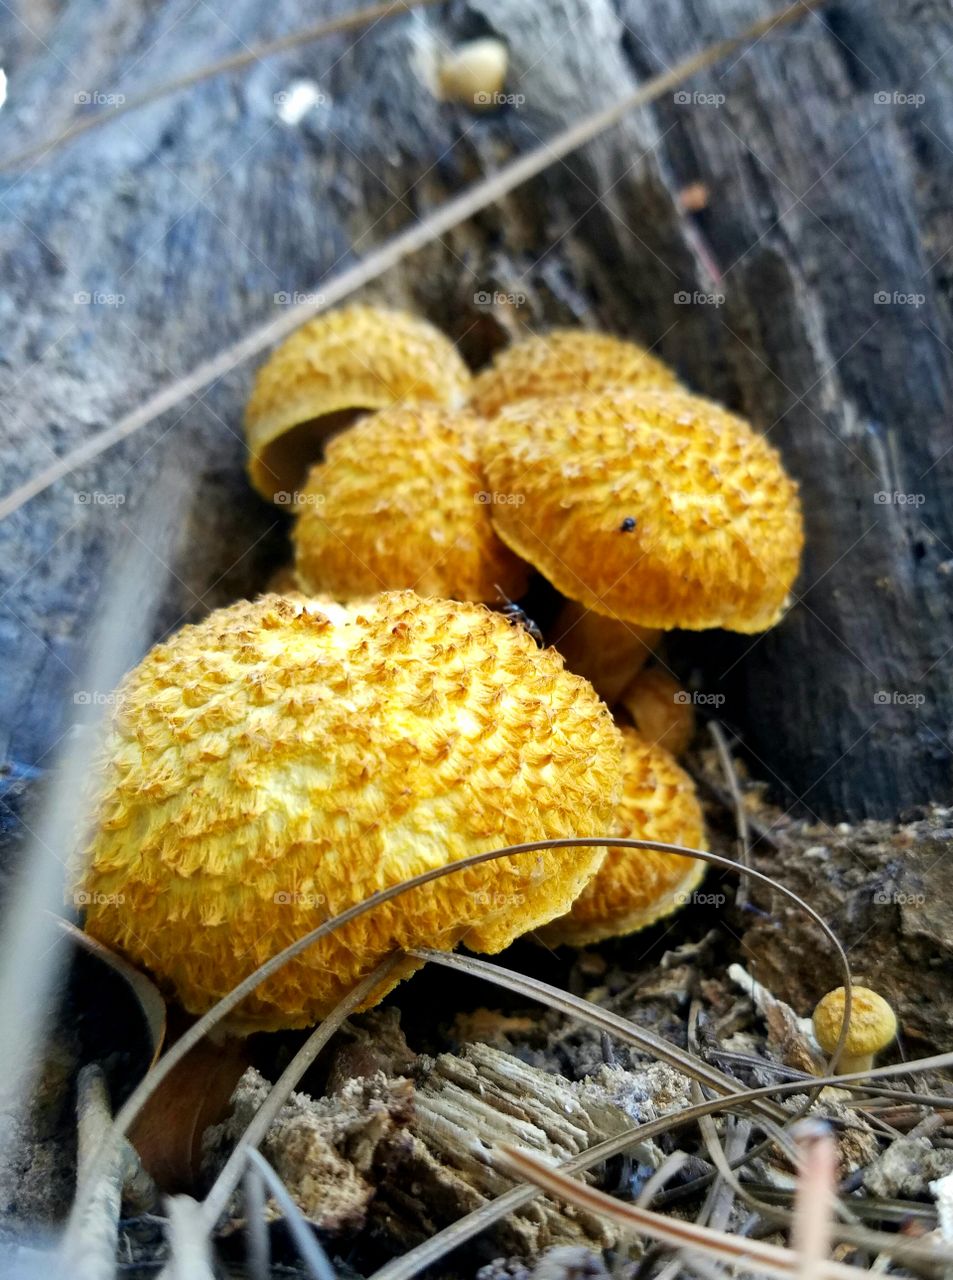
pixel 400 501
pixel 335 367
pixel 565 362
pixel 635 887
pixel 654 506
pixel 282 760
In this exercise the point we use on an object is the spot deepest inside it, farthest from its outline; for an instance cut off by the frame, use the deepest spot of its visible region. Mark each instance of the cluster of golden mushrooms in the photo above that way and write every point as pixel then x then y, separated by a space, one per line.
pixel 385 711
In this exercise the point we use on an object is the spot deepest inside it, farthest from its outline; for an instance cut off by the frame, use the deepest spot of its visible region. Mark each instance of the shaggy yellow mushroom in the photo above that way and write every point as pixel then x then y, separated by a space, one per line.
pixel 651 506
pixel 284 759
pixel 564 362
pixel 635 887
pixel 400 501
pixel 330 371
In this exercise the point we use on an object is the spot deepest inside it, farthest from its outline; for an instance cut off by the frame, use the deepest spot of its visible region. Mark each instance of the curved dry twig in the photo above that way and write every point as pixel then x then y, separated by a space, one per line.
pixel 733 1250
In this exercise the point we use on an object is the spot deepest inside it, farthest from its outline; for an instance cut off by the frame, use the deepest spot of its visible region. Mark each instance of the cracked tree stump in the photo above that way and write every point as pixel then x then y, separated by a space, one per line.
pixel 806 283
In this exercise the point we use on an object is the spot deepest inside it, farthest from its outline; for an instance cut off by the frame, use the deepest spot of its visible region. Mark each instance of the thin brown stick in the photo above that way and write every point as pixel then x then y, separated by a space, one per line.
pixel 925 1259
pixel 814 1200
pixel 750 1255
pixel 217 1199
pixel 449 215
pixel 234 62
pixel 743 841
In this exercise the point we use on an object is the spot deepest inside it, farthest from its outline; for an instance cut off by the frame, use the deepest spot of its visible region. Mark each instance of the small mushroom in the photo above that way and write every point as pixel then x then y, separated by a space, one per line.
pixel 718 534
pixel 282 760
pixel 332 370
pixel 661 709
pixel 400 501
pixel 872 1027
pixel 565 362
pixel 635 887
pixel 474 73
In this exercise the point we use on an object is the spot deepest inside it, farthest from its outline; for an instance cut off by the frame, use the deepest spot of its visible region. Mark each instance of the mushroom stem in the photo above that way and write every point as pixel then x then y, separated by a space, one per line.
pixel 854 1062
pixel 661 710
pixel 607 651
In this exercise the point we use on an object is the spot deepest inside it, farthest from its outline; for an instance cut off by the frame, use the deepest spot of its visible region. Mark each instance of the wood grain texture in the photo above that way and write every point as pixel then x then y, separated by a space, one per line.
pixel 199 210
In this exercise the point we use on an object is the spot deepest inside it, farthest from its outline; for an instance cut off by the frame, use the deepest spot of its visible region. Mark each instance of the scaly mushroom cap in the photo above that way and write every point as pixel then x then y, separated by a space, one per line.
pixel 398 502
pixel 282 760
pixel 661 709
pixel 635 887
pixel 873 1024
pixel 335 367
pixel 655 506
pixel 565 362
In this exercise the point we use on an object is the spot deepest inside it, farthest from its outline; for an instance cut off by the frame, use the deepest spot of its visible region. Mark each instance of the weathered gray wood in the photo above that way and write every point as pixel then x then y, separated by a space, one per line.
pixel 200 209
pixel 401 1156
